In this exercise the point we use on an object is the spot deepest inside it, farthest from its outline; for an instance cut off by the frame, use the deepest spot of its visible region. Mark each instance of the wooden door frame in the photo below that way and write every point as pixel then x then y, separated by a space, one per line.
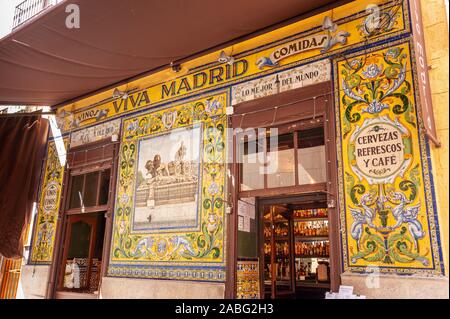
pixel 334 268
pixel 107 237
pixel 330 188
pixel 231 219
pixel 70 220
pixel 2 259
pixel 332 194
pixel 61 227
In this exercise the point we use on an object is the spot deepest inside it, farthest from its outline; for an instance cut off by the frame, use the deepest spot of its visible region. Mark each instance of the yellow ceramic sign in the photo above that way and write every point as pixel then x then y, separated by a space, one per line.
pixel 47 214
pixel 247 279
pixel 387 213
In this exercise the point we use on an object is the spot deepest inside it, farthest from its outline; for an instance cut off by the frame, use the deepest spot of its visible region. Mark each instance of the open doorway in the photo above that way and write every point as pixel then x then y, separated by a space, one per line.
pixel 83 246
pixel 286 196
pixel 83 253
pixel 83 242
pixel 291 242
pixel 295 255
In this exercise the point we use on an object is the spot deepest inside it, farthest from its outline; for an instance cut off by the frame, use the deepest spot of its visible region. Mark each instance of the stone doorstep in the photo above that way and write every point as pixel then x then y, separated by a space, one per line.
pixel 75 295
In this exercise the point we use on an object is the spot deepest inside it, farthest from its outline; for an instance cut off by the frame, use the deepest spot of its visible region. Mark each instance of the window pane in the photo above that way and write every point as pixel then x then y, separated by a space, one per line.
pixel 77 186
pixel 281 162
pixel 99 236
pixel 311 156
pixel 80 238
pixel 104 187
pixel 251 167
pixel 75 273
pixel 91 189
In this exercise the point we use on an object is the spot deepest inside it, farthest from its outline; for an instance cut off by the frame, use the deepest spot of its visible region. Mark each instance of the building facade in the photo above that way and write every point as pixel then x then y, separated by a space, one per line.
pixel 288 164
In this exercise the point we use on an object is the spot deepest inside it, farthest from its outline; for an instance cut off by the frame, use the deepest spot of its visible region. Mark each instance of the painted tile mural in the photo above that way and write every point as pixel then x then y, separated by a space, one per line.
pixel 47 215
pixel 387 212
pixel 169 212
pixel 247 279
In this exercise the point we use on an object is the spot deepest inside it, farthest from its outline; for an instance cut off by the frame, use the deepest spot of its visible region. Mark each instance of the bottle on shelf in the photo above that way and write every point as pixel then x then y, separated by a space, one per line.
pixel 310 213
pixel 311 228
pixel 313 248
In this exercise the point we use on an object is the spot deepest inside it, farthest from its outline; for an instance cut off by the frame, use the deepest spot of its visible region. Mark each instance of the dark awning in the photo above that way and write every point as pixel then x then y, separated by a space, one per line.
pixel 45 63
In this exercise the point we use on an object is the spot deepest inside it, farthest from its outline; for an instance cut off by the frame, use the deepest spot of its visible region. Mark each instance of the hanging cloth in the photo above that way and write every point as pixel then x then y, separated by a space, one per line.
pixel 22 141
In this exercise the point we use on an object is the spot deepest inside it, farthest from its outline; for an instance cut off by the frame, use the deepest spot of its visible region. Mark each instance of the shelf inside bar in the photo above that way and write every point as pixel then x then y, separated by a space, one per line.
pixel 307 219
pixel 311 238
pixel 312 283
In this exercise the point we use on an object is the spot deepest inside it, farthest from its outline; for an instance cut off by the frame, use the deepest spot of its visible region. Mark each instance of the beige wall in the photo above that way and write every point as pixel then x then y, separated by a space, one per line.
pixel 126 288
pixel 34 281
pixel 436 43
pixel 397 287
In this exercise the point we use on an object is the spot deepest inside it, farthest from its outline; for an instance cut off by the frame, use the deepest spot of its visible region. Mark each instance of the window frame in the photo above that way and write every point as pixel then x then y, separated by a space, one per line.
pixel 286 128
pixel 88 209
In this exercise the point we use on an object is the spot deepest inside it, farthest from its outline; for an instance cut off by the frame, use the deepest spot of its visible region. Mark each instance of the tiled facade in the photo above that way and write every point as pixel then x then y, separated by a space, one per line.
pixel 197 256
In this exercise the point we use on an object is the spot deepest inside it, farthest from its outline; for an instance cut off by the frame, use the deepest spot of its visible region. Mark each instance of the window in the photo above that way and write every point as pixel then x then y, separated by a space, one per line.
pixel 293 157
pixel 91 189
pixel 104 188
pixel 76 189
pixel 281 162
pixel 311 156
pixel 252 164
pixel 85 218
pixel 79 241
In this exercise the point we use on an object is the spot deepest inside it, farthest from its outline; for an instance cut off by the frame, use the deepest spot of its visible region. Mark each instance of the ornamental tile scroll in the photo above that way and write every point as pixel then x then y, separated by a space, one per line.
pixel 47 214
pixel 170 201
pixel 386 202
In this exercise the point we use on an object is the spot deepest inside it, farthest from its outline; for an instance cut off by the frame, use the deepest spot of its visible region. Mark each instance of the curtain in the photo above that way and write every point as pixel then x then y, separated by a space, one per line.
pixel 22 141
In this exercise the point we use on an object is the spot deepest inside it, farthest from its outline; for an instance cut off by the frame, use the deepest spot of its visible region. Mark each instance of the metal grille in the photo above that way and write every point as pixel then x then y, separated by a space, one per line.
pixel 88 282
pixel 30 8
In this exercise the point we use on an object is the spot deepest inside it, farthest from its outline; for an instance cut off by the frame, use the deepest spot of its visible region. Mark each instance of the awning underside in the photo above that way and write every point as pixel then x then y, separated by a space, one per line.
pixel 45 63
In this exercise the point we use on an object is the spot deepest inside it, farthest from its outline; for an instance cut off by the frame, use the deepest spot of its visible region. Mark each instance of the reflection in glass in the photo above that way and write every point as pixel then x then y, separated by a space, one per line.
pixel 277 249
pixel 281 161
pixel 311 156
pixel 80 238
pixel 267 250
pixel 77 186
pixel 90 190
pixel 251 163
pixel 104 187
